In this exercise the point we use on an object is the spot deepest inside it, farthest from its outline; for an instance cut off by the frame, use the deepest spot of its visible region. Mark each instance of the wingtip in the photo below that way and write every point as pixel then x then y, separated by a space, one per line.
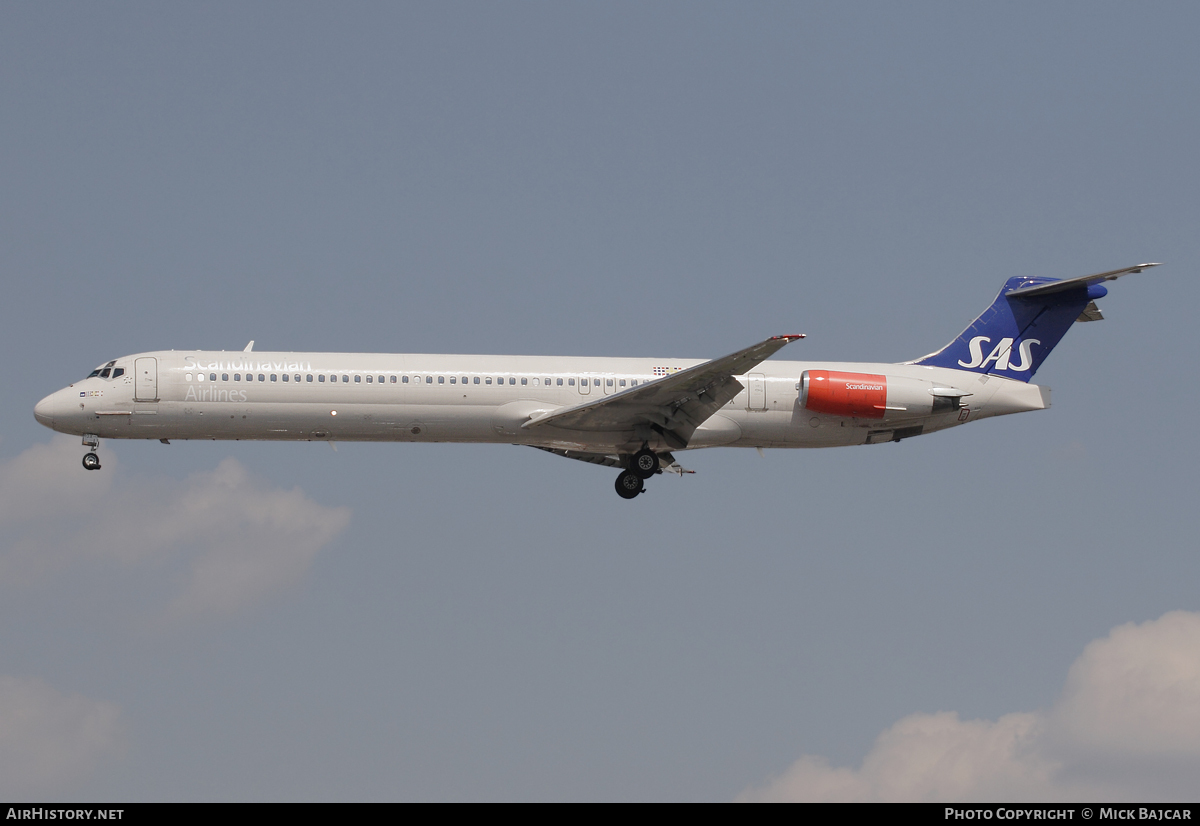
pixel 789 337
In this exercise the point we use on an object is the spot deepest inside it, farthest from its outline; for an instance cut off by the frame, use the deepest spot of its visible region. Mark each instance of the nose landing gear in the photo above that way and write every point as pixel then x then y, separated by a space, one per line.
pixel 90 460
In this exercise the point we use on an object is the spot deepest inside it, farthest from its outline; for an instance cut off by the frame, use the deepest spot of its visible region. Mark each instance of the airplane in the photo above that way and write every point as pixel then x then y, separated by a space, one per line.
pixel 630 414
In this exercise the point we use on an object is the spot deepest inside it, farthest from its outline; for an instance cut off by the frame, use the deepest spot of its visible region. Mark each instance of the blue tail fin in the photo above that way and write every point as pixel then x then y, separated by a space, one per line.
pixel 1029 317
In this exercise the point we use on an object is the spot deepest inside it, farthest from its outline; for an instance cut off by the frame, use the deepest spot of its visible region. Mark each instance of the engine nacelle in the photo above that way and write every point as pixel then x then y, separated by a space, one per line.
pixel 874 396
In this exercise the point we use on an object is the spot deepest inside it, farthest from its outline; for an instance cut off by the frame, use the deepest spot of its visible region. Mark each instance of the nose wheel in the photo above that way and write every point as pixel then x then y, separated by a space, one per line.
pixel 91 461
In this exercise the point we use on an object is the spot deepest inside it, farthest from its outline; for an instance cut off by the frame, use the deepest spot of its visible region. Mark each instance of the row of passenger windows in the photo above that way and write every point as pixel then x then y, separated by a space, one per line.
pixel 512 380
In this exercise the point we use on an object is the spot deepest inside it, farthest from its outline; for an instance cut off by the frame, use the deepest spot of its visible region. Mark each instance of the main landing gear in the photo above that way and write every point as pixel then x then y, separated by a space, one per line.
pixel 645 463
pixel 629 484
pixel 642 465
pixel 90 460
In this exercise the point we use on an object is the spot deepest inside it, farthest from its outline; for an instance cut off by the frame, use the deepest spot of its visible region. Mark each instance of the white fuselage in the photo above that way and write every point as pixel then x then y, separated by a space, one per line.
pixel 463 398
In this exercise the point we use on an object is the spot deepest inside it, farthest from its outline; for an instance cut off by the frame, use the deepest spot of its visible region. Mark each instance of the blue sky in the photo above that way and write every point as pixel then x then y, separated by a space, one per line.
pixel 239 621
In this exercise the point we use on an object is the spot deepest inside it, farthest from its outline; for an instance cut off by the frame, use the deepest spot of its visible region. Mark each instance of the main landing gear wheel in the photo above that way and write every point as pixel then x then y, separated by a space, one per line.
pixel 91 461
pixel 645 463
pixel 629 484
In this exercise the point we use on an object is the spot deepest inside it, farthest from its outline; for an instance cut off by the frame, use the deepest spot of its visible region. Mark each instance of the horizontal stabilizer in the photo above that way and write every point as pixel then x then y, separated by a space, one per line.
pixel 1072 283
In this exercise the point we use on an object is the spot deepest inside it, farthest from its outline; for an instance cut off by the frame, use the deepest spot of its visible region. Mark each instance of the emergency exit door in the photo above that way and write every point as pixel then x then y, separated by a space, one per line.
pixel 757 391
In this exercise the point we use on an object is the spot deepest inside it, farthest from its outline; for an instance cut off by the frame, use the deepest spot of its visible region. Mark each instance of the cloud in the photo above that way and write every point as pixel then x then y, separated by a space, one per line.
pixel 237 538
pixel 1126 726
pixel 48 738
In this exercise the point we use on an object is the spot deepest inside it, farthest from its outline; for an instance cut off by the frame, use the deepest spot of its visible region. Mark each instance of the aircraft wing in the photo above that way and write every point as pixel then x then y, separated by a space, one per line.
pixel 1083 280
pixel 672 406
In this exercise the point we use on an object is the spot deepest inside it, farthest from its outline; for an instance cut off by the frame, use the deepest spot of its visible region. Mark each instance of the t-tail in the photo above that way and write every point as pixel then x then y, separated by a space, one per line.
pixel 1012 337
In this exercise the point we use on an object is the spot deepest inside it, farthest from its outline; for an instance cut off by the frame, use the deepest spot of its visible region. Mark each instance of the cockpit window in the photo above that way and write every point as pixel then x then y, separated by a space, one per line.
pixel 94 373
pixel 119 371
pixel 104 373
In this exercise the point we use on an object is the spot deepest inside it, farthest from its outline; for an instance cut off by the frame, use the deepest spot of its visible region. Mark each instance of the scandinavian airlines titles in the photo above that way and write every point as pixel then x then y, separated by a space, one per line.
pixel 1000 354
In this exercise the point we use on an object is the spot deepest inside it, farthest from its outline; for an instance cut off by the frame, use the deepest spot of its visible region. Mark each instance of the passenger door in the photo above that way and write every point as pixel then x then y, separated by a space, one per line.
pixel 145 380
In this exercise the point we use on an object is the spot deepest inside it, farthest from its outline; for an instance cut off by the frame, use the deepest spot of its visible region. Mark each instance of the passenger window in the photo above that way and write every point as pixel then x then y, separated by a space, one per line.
pixel 187 376
pixel 609 382
pixel 633 382
pixel 560 382
pixel 297 377
pixel 224 377
pixel 212 376
pixel 477 379
pixel 274 376
pixel 488 380
pixel 441 379
pixel 346 379
pixel 405 380
pixel 571 382
pixel 453 379
pixel 308 377
pixel 622 382
pixel 464 379
pixel 393 379
pixel 322 377
pixel 369 379
pixel 261 377
pixel 357 379
pixel 524 381
pixel 429 379
pixel 512 380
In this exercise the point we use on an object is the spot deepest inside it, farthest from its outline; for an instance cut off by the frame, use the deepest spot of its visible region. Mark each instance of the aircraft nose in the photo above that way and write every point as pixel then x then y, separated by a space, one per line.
pixel 43 412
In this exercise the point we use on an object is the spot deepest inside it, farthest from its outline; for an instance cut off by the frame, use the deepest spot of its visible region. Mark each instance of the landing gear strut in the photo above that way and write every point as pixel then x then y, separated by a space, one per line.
pixel 629 485
pixel 91 461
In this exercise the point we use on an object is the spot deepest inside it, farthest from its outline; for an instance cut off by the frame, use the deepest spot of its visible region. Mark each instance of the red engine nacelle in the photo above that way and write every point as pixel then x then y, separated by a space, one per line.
pixel 861 395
